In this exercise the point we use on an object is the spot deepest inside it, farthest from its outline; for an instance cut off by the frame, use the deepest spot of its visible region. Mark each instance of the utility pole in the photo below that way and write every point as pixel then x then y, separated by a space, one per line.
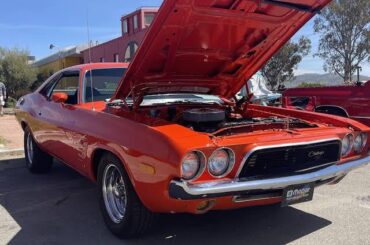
pixel 358 68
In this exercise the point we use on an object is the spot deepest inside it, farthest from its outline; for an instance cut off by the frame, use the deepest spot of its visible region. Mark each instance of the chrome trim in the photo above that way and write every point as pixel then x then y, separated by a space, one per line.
pixel 319 166
pixel 245 158
pixel 228 187
pixel 29 149
pixel 202 166
pixel 114 192
pixel 231 163
pixel 359 117
pixel 351 147
pixel 363 141
pixel 239 199
pixel 335 106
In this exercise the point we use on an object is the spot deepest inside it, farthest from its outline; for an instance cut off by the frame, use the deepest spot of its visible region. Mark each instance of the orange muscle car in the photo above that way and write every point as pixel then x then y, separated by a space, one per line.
pixel 166 134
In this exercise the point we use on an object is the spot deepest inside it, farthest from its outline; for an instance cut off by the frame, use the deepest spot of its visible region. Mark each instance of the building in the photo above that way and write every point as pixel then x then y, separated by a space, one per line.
pixel 31 59
pixel 66 57
pixel 123 48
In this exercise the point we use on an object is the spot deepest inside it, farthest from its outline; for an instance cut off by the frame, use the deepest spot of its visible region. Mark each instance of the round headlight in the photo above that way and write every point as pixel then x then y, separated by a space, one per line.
pixel 191 165
pixel 347 144
pixel 360 142
pixel 220 162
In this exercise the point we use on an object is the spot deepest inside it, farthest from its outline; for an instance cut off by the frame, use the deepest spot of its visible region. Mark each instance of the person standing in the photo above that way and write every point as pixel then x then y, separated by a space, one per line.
pixel 2 98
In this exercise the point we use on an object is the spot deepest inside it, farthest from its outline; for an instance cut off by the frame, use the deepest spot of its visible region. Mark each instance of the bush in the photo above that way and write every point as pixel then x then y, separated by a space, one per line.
pixel 310 85
pixel 15 71
pixel 10 102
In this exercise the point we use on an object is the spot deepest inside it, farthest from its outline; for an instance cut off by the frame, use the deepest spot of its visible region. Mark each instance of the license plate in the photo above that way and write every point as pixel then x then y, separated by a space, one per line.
pixel 297 194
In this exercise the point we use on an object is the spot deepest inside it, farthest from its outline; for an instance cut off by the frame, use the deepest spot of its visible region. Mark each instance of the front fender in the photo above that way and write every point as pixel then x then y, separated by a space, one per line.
pixel 313 117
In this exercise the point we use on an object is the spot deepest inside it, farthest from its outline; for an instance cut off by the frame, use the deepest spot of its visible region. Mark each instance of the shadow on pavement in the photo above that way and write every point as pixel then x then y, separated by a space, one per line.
pixel 61 208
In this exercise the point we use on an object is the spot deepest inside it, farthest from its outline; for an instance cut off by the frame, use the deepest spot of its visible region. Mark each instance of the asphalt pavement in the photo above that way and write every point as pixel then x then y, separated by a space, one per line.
pixel 62 208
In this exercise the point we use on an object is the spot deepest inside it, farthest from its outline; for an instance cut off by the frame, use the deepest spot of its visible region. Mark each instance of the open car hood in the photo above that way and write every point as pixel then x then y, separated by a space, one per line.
pixel 212 46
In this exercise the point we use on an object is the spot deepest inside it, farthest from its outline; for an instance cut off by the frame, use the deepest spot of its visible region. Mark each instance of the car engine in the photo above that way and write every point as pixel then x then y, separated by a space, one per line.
pixel 221 122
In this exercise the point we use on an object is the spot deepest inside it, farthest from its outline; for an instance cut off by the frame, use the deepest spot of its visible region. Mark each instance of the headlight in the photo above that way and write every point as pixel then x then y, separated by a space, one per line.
pixel 192 165
pixel 347 144
pixel 360 142
pixel 221 162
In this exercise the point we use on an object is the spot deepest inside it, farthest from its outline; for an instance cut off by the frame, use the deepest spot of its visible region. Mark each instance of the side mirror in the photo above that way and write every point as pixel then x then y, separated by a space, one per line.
pixel 59 97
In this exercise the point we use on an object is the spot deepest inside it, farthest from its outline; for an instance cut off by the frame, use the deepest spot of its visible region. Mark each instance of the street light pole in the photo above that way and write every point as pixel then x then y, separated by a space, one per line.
pixel 52 46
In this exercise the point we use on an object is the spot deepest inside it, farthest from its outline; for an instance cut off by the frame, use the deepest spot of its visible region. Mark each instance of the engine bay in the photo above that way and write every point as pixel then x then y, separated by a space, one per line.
pixel 223 121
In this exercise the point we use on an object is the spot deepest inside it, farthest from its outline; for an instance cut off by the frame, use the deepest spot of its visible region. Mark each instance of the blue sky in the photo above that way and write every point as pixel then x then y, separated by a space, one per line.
pixel 36 24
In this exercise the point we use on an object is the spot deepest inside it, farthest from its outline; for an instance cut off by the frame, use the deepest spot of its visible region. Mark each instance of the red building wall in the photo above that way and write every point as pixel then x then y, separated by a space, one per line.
pixel 106 52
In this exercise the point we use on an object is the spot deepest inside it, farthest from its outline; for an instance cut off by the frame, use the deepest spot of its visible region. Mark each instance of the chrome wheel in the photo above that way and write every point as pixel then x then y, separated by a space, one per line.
pixel 114 193
pixel 29 149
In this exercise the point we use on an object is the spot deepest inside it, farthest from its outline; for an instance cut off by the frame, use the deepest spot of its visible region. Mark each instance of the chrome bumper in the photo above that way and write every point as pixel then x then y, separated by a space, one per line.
pixel 184 191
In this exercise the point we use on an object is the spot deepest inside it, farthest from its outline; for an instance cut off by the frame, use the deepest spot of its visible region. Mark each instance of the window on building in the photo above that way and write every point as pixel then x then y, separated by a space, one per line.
pixel 116 58
pixel 125 26
pixel 102 60
pixel 136 22
pixel 148 18
pixel 130 51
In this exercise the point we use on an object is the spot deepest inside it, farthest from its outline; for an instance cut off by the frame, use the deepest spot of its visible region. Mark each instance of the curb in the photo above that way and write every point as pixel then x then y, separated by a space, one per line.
pixel 9 111
pixel 14 153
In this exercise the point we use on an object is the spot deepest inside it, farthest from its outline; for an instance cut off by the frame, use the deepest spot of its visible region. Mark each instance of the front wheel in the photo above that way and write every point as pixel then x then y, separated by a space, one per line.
pixel 122 210
pixel 37 161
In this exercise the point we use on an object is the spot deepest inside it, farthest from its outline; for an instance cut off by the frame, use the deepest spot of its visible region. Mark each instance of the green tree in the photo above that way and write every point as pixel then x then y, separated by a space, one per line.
pixel 280 68
pixel 344 28
pixel 41 77
pixel 15 71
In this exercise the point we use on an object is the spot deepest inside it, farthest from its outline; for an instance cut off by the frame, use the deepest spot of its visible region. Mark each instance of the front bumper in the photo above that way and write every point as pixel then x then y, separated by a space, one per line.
pixel 184 191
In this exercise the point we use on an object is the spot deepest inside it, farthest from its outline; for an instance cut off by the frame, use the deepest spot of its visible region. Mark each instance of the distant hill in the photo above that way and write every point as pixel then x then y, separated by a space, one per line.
pixel 324 79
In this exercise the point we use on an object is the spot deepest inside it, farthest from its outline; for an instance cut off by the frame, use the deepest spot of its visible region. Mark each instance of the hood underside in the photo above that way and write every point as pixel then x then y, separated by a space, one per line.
pixel 212 46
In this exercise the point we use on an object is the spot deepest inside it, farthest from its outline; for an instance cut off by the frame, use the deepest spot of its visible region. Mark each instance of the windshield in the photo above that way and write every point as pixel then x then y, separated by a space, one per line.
pixel 101 84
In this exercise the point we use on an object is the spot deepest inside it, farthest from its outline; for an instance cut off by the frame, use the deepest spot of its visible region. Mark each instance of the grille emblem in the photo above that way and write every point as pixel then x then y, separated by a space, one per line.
pixel 316 154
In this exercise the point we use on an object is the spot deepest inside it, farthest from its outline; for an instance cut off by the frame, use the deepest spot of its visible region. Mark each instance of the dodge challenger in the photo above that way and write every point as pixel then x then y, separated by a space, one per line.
pixel 166 133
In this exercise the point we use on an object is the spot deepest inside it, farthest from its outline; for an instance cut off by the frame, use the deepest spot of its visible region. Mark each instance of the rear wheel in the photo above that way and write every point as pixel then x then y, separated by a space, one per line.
pixel 37 161
pixel 122 210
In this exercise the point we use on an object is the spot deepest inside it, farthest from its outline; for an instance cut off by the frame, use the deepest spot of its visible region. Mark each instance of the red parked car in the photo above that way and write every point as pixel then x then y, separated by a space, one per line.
pixel 345 101
pixel 173 138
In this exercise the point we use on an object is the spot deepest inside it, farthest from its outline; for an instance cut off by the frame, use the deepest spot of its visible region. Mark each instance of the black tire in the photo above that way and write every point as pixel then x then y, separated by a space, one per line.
pixel 136 219
pixel 37 161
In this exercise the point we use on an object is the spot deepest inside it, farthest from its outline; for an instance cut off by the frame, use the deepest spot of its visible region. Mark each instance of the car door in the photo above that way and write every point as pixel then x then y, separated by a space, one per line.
pixel 59 119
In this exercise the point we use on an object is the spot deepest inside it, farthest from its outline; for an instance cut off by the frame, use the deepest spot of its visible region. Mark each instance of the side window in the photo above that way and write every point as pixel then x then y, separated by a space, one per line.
pixel 68 84
pixel 45 91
